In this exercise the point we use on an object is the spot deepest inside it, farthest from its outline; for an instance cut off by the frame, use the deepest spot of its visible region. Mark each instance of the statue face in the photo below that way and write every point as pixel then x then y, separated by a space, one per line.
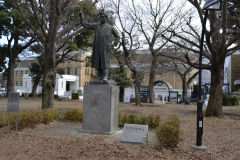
pixel 103 19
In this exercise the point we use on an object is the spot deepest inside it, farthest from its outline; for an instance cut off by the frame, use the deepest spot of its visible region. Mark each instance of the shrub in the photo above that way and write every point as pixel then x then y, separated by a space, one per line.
pixel 49 115
pixel 132 118
pixel 122 119
pixel 152 120
pixel 143 120
pixel 230 100
pixel 234 100
pixel 29 118
pixel 3 120
pixel 226 100
pixel 73 115
pixel 168 132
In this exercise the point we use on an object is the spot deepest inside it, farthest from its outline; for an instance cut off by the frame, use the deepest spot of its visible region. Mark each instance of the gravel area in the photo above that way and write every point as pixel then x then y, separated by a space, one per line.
pixel 221 136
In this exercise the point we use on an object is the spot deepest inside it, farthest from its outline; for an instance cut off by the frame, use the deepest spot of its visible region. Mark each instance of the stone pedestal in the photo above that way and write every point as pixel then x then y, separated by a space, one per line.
pixel 100 108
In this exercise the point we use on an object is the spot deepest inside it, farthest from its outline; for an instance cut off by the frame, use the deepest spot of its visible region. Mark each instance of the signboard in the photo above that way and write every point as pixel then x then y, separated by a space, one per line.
pixel 13 102
pixel 144 91
pixel 174 96
pixel 135 133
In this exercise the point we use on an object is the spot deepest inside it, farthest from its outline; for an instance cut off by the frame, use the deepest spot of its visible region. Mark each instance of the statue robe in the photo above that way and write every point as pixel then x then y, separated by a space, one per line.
pixel 102 44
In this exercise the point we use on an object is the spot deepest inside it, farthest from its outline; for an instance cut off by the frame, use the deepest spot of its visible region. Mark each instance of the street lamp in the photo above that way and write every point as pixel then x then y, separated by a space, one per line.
pixel 209 5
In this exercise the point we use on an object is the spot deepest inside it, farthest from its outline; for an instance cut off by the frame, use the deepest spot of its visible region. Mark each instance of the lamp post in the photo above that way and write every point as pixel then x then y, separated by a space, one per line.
pixel 209 5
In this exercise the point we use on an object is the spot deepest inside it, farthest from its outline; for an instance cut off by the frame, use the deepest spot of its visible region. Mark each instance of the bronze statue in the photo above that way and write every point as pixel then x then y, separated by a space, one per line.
pixel 102 45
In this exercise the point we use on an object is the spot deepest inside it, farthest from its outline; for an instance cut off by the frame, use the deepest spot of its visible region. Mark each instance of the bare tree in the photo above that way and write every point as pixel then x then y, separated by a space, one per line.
pixel 130 44
pixel 56 22
pixel 220 42
pixel 185 73
pixel 154 18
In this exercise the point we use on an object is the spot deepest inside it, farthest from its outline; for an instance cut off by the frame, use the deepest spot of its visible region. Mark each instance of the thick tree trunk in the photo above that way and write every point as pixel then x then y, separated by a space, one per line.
pixel 137 92
pixel 49 78
pixel 121 94
pixel 49 73
pixel 151 80
pixel 10 74
pixel 214 107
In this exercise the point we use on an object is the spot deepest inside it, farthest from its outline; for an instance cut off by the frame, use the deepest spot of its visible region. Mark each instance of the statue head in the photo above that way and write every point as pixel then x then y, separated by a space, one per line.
pixel 103 17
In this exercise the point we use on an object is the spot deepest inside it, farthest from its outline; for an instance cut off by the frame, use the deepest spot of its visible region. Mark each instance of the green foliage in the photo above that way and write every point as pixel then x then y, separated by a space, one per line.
pixel 151 120
pixel 3 55
pixel 168 132
pixel 230 100
pixel 29 118
pixel 88 60
pixel 60 71
pixel 73 115
pixel 119 75
pixel 36 72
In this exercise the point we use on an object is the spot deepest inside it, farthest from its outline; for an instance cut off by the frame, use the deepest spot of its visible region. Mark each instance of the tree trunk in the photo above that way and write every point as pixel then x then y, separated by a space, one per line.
pixel 49 73
pixel 137 92
pixel 184 89
pixel 10 74
pixel 151 80
pixel 34 89
pixel 49 78
pixel 214 107
pixel 121 94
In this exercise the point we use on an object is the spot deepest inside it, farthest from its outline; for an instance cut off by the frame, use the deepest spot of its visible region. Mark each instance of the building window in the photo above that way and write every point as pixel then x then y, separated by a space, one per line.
pixel 21 72
pixel 68 71
pixel 21 83
pixel 17 73
pixel 16 83
pixel 26 72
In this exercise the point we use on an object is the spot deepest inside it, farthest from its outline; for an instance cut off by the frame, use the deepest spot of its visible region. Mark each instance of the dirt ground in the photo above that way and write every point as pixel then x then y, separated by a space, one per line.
pixel 221 136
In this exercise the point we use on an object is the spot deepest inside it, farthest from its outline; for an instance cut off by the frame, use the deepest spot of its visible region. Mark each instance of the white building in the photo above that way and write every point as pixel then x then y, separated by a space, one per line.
pixel 231 72
pixel 65 85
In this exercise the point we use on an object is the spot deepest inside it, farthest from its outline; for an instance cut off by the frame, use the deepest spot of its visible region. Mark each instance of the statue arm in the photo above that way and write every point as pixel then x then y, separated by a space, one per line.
pixel 86 25
pixel 116 36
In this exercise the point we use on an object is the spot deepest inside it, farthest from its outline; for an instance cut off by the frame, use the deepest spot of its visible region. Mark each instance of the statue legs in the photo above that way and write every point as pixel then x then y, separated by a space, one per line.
pixel 103 74
pixel 106 73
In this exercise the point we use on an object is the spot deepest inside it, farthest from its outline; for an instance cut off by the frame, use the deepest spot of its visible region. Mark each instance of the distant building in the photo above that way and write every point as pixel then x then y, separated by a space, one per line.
pixel 164 72
pixel 3 82
pixel 75 71
pixel 232 73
